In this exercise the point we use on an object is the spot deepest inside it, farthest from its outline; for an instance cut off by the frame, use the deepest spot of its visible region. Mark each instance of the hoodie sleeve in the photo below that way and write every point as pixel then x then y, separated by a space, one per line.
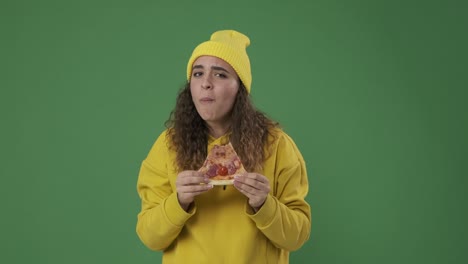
pixel 285 217
pixel 161 217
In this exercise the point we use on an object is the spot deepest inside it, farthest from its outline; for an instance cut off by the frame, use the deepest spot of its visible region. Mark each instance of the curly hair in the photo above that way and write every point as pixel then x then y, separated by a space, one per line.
pixel 188 132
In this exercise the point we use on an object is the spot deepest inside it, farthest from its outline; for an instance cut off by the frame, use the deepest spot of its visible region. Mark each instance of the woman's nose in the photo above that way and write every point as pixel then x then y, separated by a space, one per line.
pixel 206 83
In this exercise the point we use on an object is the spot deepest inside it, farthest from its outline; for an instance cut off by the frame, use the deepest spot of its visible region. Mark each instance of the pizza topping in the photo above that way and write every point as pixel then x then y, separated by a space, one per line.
pixel 222 171
pixel 232 168
pixel 212 171
pixel 219 153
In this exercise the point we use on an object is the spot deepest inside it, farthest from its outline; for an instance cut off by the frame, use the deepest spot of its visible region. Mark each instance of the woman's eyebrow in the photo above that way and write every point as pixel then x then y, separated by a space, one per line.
pixel 219 68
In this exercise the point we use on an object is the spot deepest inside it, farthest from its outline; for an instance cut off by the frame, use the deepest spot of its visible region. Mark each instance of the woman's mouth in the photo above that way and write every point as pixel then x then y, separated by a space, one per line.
pixel 206 100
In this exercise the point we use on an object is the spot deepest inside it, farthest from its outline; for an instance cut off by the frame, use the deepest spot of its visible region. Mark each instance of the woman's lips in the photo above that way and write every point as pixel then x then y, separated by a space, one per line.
pixel 206 100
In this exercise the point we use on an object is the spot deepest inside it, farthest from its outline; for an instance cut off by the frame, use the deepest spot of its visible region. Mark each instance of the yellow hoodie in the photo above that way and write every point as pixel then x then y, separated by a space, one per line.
pixel 221 227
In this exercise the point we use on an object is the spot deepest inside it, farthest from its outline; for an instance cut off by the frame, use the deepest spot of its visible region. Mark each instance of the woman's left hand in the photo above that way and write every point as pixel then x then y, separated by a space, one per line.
pixel 255 186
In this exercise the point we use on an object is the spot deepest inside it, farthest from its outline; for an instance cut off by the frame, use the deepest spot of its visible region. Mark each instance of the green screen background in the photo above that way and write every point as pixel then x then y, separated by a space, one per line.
pixel 373 92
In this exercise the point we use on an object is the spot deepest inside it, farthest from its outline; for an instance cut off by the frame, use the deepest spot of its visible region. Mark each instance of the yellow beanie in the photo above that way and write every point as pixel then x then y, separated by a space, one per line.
pixel 230 46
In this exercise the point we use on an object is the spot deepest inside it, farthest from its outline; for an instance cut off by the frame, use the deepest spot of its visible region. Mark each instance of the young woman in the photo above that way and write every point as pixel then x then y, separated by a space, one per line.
pixel 263 215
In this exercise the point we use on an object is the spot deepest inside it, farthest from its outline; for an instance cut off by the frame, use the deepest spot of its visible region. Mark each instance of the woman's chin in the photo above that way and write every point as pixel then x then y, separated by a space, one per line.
pixel 208 117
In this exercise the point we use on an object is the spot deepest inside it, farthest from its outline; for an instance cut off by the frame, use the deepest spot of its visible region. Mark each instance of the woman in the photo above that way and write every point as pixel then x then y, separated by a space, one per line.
pixel 263 215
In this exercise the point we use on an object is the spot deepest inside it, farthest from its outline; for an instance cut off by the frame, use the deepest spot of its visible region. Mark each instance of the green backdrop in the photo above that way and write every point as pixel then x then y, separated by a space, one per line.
pixel 373 92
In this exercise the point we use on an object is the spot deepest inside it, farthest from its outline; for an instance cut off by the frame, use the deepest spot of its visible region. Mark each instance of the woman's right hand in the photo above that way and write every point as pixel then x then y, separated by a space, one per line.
pixel 188 185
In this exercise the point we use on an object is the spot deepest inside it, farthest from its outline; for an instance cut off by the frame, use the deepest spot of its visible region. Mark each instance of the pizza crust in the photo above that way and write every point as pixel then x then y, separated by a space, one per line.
pixel 221 182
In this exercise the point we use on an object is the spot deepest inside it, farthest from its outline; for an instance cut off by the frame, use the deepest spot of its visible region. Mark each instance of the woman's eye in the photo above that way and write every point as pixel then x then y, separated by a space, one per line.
pixel 222 75
pixel 197 74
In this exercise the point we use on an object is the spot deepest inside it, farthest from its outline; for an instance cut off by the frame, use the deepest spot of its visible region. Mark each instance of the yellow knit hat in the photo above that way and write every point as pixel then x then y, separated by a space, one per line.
pixel 230 46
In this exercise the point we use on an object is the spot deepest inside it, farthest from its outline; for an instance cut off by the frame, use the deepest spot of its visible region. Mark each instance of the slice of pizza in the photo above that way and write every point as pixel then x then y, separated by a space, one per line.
pixel 222 164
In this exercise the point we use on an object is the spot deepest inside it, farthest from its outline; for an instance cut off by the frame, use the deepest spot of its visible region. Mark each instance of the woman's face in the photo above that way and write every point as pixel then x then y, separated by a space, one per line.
pixel 214 85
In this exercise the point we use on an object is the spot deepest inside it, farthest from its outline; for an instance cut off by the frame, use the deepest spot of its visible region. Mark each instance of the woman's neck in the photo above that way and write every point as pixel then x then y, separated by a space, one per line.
pixel 217 130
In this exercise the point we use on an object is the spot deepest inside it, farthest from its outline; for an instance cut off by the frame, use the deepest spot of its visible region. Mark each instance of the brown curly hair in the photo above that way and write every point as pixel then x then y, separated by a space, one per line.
pixel 188 133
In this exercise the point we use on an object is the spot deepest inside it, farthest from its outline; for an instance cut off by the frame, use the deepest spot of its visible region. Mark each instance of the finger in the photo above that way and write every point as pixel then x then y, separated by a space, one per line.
pixel 240 186
pixel 253 183
pixel 256 184
pixel 251 177
pixel 191 181
pixel 193 194
pixel 190 177
pixel 256 197
pixel 190 189
pixel 256 177
pixel 248 190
